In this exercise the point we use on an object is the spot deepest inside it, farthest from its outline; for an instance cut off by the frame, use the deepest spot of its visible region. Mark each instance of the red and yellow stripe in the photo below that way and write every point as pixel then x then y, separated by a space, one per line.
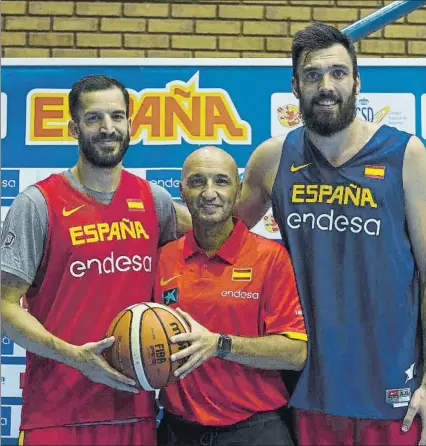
pixel 296 335
pixel 374 172
pixel 242 274
pixel 135 205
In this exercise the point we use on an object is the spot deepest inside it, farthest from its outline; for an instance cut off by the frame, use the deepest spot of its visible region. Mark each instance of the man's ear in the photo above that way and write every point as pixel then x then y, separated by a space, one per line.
pixel 181 191
pixel 294 87
pixel 240 188
pixel 74 131
pixel 358 84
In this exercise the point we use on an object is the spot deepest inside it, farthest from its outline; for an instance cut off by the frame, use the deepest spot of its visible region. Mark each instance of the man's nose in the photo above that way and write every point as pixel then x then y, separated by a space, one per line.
pixel 209 192
pixel 107 125
pixel 326 83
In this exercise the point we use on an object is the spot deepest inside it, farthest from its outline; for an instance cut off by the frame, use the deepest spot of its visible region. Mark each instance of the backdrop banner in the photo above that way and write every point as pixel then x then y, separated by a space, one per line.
pixel 176 106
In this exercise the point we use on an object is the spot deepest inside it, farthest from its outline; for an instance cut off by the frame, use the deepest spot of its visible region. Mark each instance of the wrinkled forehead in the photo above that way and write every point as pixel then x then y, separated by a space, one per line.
pixel 326 58
pixel 207 165
pixel 103 100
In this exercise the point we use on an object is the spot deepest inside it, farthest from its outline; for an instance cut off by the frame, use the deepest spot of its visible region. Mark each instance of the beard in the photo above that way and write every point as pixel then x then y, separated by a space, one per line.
pixel 100 157
pixel 327 123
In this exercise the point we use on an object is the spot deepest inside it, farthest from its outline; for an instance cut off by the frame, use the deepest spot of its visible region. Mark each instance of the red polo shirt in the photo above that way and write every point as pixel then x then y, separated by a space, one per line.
pixel 246 289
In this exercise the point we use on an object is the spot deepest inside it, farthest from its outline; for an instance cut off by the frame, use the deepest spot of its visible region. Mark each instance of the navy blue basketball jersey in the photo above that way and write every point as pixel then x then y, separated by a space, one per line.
pixel 345 229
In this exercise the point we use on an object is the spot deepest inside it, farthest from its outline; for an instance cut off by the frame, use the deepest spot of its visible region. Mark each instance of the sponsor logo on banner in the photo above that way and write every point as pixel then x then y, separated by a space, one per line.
pixel 9 348
pixel 6 345
pixel 285 113
pixel 10 421
pixel 393 109
pixel 182 111
pixel 270 223
pixel 289 115
pixel 3 103
pixel 6 420
pixel 9 183
pixel 267 227
pixel 423 115
pixel 167 178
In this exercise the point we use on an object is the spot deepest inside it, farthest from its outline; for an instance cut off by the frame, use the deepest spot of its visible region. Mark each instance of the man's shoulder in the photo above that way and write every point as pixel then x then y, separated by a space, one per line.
pixel 159 192
pixel 272 146
pixel 30 197
pixel 172 249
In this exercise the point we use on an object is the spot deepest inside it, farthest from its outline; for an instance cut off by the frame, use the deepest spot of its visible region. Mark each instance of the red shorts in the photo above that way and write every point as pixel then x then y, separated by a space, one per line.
pixel 314 428
pixel 139 433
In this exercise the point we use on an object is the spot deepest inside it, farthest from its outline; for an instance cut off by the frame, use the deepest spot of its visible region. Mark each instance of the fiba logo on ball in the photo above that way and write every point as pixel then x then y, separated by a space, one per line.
pixel 142 346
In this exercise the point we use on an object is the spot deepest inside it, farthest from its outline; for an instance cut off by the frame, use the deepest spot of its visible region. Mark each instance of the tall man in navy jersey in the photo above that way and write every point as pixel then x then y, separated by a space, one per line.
pixel 349 197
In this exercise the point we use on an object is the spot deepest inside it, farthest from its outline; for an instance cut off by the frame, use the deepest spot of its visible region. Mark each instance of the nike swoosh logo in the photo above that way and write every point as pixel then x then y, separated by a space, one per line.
pixel 294 168
pixel 165 282
pixel 66 213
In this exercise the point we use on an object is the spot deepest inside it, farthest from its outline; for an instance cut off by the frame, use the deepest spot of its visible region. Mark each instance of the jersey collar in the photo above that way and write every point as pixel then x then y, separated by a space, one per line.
pixel 229 251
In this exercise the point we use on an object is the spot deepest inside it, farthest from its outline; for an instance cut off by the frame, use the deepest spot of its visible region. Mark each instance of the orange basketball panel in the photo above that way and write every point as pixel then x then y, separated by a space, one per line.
pixel 119 355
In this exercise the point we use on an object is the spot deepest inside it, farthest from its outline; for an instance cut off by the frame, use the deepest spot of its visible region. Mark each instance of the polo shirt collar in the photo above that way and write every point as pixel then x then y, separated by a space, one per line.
pixel 229 251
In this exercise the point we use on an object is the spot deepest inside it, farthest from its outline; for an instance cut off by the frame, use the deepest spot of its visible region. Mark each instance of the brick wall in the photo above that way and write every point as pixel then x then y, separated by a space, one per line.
pixel 203 28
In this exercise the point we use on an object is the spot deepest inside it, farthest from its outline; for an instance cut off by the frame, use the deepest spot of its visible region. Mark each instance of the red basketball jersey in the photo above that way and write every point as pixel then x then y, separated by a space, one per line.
pixel 98 259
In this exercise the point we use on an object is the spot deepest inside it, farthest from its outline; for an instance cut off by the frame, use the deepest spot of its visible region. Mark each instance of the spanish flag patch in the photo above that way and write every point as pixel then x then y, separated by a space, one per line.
pixel 374 172
pixel 135 205
pixel 241 274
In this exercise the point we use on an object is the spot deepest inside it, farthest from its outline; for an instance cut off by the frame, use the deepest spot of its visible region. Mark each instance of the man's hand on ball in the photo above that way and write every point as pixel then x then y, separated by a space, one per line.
pixel 90 362
pixel 203 346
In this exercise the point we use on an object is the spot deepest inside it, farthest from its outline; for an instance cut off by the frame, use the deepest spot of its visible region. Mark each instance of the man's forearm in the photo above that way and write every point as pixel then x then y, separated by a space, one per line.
pixel 26 331
pixel 273 352
pixel 423 319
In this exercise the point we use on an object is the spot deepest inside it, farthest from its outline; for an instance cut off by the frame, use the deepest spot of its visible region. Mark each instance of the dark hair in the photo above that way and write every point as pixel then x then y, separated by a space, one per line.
pixel 94 82
pixel 319 36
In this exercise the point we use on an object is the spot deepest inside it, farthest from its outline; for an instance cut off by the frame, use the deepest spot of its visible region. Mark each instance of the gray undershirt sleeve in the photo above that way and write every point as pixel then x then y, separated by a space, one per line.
pixel 24 234
pixel 166 214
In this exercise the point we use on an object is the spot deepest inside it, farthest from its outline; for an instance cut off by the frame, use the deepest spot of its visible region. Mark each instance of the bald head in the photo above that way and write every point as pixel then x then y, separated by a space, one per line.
pixel 210 156
pixel 210 185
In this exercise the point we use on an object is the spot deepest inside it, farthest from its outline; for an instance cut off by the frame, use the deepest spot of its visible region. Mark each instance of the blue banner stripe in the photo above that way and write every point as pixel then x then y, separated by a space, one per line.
pixel 6 202
pixel 11 401
pixel 13 360
pixel 8 440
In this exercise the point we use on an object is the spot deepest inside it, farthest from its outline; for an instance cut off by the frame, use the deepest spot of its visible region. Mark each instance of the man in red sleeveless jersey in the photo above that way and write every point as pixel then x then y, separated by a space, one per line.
pixel 79 245
pixel 237 283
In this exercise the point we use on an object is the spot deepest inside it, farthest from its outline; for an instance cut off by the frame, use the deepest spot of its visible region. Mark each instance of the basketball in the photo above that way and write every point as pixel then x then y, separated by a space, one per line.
pixel 142 346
